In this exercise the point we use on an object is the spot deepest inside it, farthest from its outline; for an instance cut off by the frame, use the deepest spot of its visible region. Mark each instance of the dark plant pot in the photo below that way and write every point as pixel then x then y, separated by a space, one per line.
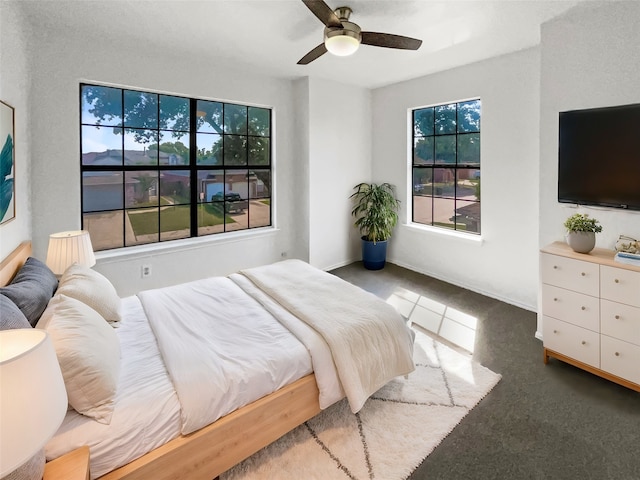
pixel 374 255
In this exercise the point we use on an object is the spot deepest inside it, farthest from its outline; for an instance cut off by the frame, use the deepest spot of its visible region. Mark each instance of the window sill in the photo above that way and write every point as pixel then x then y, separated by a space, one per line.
pixel 467 237
pixel 185 244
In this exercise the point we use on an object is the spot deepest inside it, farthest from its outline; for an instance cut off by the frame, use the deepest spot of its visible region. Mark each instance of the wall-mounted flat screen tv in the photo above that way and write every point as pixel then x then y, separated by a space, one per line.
pixel 599 157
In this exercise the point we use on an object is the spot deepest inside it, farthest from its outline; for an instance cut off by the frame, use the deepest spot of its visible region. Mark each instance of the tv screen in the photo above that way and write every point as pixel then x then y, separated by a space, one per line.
pixel 599 157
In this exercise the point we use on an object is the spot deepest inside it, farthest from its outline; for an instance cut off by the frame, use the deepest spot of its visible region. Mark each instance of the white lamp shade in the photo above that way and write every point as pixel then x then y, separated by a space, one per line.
pixel 33 399
pixel 342 45
pixel 67 248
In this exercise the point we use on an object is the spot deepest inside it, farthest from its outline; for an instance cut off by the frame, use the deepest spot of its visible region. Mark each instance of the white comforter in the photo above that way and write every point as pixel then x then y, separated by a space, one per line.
pixel 369 341
pixel 221 348
pixel 353 341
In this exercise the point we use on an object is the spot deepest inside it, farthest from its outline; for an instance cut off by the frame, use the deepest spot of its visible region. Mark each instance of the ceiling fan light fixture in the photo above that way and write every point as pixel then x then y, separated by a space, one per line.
pixel 343 37
pixel 342 43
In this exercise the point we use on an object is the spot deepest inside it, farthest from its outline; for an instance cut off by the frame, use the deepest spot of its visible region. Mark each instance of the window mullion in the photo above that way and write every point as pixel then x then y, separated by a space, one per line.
pixel 193 167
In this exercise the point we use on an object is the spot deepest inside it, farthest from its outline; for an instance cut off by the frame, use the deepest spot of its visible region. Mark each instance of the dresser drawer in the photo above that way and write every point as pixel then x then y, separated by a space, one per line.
pixel 621 359
pixel 620 321
pixel 620 285
pixel 571 274
pixel 576 308
pixel 575 342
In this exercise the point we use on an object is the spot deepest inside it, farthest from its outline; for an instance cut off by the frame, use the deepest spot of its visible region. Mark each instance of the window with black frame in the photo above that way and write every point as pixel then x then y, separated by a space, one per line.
pixel 446 166
pixel 159 167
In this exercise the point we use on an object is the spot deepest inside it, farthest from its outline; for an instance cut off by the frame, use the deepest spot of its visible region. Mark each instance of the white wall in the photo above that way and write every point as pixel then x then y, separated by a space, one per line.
pixel 301 148
pixel 14 90
pixel 589 58
pixel 339 158
pixel 504 264
pixel 60 62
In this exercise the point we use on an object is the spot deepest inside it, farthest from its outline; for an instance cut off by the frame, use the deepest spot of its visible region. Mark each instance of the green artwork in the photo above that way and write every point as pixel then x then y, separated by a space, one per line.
pixel 7 187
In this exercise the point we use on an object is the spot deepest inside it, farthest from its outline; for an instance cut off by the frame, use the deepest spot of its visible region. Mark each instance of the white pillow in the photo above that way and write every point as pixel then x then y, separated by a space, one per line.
pixel 93 289
pixel 88 352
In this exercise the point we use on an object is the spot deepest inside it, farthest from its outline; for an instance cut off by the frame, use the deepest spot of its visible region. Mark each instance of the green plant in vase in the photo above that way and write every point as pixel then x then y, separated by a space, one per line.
pixel 376 213
pixel 581 232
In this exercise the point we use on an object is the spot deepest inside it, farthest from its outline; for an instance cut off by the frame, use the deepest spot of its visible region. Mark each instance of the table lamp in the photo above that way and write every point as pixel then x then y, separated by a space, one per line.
pixel 67 248
pixel 33 401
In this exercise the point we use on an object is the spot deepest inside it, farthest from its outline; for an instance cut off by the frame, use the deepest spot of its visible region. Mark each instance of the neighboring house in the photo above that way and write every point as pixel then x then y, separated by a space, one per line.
pixel 114 157
pixel 251 187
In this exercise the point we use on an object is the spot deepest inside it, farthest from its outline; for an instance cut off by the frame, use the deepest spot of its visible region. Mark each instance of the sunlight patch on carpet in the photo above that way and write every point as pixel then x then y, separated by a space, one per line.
pixel 396 429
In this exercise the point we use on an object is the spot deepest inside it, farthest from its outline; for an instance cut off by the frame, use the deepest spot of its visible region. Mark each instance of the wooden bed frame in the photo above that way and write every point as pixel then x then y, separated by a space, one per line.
pixel 10 265
pixel 216 448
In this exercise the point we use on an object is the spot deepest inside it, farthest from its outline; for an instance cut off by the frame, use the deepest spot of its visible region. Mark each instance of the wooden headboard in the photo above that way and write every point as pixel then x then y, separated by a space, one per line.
pixel 10 265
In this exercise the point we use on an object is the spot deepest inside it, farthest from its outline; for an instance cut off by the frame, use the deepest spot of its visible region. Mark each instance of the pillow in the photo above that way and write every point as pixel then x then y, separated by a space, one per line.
pixel 92 289
pixel 11 316
pixel 89 355
pixel 31 289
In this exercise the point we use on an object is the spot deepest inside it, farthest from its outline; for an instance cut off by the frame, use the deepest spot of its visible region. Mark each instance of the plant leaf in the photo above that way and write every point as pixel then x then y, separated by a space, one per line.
pixel 6 158
pixel 6 192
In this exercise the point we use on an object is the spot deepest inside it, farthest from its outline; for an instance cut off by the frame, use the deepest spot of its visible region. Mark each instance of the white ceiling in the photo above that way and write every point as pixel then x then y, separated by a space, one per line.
pixel 269 36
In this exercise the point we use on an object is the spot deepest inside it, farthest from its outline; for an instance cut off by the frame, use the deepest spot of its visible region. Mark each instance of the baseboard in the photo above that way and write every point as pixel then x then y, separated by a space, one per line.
pixel 468 287
pixel 339 265
pixel 539 335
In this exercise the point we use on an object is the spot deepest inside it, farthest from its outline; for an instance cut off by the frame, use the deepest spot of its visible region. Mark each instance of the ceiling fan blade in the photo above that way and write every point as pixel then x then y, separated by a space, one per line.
pixel 323 12
pixel 390 41
pixel 313 54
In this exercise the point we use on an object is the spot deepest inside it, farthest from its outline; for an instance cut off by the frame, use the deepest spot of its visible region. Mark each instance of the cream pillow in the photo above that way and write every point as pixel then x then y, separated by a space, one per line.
pixel 92 289
pixel 88 352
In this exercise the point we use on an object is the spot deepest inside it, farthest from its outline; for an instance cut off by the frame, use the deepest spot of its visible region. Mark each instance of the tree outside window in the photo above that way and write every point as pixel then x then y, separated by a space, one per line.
pixel 446 166
pixel 161 167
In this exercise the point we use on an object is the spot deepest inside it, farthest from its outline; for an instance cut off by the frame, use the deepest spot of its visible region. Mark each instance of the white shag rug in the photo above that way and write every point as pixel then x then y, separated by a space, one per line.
pixel 397 428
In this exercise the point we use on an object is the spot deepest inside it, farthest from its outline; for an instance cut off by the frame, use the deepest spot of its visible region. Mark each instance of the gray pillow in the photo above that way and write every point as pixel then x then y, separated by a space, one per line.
pixel 31 289
pixel 11 316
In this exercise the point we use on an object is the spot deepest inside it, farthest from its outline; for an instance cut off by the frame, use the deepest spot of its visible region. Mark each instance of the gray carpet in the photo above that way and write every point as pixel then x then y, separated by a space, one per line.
pixel 541 421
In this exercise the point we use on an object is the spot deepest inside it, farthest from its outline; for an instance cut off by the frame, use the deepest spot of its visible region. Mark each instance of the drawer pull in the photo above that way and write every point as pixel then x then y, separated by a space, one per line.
pixel 617 354
pixel 555 267
pixel 617 281
pixel 555 299
pixel 583 274
pixel 583 342
pixel 583 308
pixel 555 331
pixel 617 317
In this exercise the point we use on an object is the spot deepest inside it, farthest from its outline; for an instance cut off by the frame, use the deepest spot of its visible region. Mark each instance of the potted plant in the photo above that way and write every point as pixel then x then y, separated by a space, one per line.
pixel 376 213
pixel 581 232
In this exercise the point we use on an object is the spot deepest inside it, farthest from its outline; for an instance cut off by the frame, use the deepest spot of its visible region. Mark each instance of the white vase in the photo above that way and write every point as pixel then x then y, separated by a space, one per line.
pixel 581 242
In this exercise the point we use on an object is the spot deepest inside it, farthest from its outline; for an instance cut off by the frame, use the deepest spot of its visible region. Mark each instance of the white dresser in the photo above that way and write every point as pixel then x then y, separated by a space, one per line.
pixel 591 312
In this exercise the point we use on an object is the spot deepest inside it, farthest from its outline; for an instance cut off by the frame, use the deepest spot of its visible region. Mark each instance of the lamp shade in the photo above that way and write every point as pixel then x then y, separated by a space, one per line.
pixel 67 248
pixel 33 399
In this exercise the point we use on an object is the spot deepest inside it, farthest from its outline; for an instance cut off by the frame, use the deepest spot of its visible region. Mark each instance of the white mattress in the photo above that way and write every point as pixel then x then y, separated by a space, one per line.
pixel 147 411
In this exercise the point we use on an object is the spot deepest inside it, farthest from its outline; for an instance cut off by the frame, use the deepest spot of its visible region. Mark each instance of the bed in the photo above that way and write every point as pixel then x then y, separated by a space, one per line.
pixel 184 422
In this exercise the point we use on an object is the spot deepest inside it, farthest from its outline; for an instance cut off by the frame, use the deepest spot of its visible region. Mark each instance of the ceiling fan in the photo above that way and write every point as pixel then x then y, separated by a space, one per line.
pixel 342 37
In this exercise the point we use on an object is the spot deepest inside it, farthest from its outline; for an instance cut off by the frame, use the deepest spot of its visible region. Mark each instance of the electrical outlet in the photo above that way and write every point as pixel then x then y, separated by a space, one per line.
pixel 146 271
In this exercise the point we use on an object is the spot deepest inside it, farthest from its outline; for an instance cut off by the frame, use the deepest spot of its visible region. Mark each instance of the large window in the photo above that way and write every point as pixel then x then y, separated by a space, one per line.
pixel 446 166
pixel 161 167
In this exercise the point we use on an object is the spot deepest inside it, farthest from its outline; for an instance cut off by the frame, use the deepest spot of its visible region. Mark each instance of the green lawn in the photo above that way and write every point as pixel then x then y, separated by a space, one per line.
pixel 175 218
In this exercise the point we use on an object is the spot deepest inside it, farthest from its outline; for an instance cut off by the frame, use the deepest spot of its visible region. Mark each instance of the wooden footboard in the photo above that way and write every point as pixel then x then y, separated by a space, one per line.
pixel 218 447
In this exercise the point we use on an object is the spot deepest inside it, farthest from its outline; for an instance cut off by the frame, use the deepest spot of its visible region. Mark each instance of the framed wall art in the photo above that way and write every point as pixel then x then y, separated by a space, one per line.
pixel 7 163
